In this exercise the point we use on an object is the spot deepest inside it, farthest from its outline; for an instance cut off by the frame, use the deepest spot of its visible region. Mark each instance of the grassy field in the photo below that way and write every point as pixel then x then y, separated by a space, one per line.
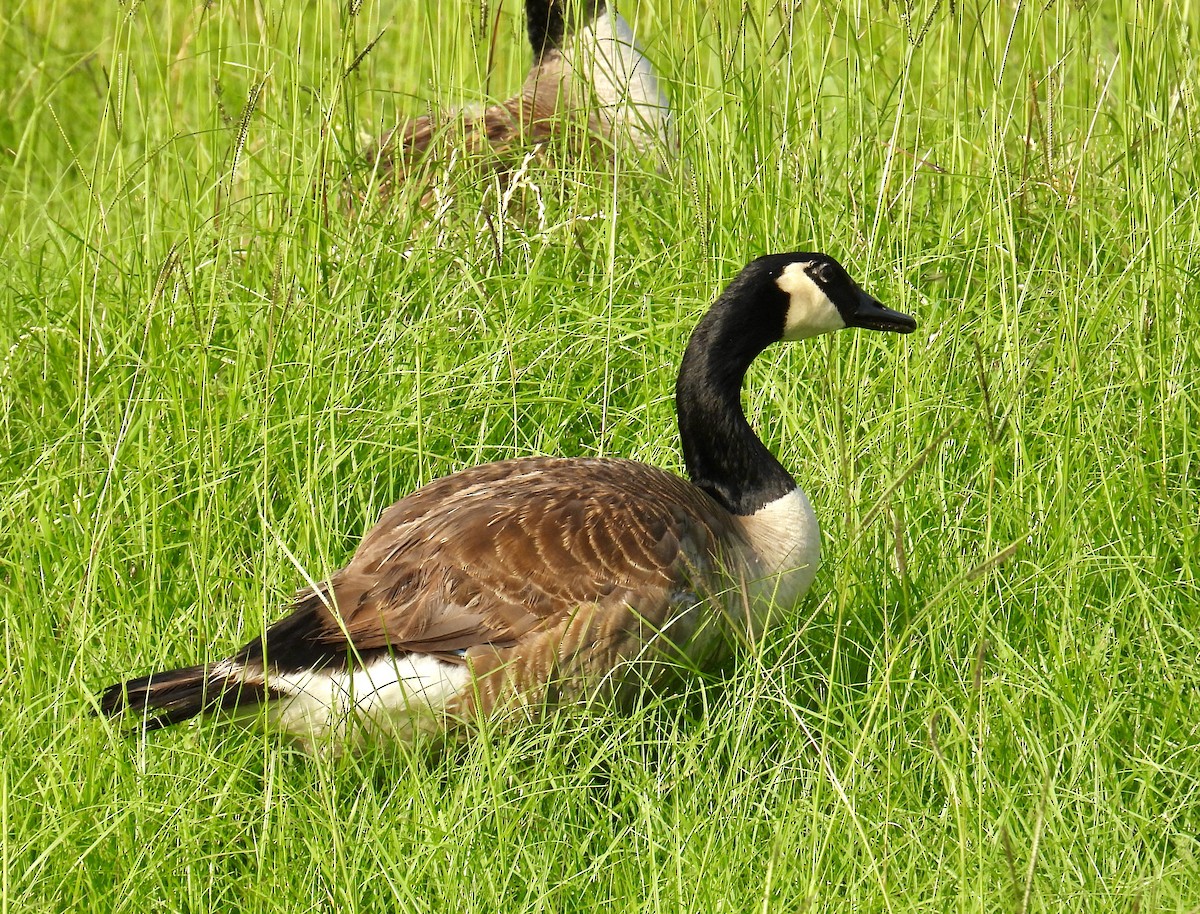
pixel 212 380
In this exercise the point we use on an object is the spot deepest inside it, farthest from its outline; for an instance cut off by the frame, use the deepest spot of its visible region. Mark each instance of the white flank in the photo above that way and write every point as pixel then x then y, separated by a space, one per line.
pixel 622 82
pixel 785 544
pixel 393 697
pixel 810 312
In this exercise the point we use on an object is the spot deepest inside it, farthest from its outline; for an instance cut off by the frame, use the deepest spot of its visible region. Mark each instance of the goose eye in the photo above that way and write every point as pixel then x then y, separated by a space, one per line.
pixel 823 272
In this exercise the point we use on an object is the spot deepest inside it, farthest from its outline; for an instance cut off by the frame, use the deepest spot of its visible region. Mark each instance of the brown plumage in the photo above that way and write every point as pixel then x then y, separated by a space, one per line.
pixel 541 551
pixel 492 136
pixel 588 83
pixel 541 575
pixel 526 583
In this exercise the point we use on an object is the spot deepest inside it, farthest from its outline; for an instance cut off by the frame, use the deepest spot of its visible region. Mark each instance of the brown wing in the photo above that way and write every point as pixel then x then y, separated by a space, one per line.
pixel 491 554
pixel 529 117
pixel 539 573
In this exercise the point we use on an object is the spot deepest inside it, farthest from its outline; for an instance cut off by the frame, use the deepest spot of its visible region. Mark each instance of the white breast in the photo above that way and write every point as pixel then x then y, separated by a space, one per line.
pixel 785 551
pixel 621 81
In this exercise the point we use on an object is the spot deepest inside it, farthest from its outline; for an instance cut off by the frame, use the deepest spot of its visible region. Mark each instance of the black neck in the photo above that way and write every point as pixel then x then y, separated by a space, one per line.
pixel 723 455
pixel 550 21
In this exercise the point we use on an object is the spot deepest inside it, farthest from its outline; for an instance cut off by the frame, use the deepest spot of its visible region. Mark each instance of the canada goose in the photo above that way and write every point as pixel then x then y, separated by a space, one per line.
pixel 542 579
pixel 588 72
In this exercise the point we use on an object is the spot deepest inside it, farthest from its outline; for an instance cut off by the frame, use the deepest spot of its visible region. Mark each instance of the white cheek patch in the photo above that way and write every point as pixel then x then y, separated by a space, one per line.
pixel 810 312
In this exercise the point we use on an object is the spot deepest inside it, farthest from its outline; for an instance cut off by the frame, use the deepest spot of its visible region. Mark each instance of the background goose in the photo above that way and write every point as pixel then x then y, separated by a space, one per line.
pixel 588 72
pixel 527 581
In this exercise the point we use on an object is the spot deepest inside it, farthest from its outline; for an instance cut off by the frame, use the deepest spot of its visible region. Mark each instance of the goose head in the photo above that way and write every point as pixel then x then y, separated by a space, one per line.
pixel 548 22
pixel 816 295
pixel 777 297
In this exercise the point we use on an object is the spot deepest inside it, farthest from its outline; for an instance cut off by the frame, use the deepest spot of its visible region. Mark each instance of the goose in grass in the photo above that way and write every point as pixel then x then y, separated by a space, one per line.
pixel 588 74
pixel 526 583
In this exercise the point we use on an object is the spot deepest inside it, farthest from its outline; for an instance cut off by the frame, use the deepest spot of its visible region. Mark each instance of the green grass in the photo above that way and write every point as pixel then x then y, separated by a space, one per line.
pixel 212 380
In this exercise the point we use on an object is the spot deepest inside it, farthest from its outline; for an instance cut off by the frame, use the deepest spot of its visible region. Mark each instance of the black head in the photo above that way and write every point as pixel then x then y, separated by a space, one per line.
pixel 776 297
pixel 816 295
pixel 549 22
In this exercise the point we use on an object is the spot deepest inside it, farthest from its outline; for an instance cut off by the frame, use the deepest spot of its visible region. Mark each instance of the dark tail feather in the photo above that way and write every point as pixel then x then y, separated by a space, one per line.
pixel 171 697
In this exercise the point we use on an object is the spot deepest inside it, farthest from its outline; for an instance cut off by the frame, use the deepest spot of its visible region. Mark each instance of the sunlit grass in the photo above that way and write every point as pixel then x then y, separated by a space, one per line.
pixel 210 373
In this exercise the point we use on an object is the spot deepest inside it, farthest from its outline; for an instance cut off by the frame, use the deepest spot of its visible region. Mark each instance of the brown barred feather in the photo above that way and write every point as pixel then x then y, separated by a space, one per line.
pixel 547 577
pixel 498 136
pixel 493 555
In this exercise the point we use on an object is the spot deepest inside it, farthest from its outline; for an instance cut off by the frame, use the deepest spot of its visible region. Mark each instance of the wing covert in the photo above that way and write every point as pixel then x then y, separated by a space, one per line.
pixel 490 555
